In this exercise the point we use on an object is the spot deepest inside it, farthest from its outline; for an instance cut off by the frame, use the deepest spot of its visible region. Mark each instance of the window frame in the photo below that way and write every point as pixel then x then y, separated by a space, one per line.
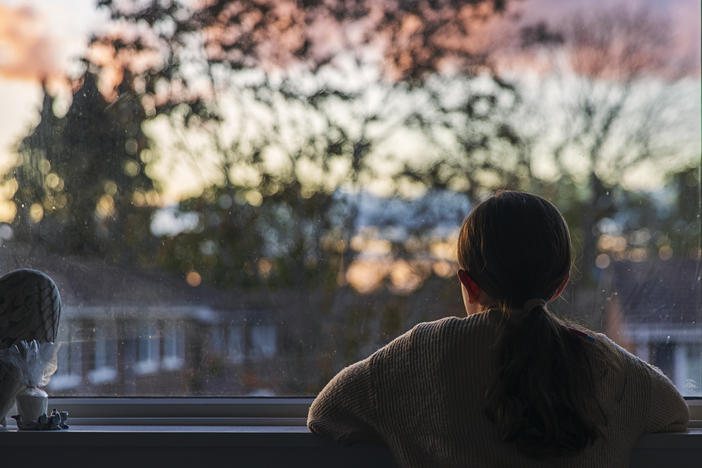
pixel 212 411
pixel 184 411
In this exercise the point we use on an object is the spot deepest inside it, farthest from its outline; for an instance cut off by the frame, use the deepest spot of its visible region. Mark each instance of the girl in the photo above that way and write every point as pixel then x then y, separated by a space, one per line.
pixel 510 384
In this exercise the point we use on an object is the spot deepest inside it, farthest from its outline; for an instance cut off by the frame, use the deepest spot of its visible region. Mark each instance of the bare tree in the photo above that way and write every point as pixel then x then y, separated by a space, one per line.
pixel 612 95
pixel 316 87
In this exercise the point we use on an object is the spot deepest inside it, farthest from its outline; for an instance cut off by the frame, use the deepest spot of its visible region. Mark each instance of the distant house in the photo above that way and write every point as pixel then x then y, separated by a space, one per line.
pixel 655 312
pixel 126 331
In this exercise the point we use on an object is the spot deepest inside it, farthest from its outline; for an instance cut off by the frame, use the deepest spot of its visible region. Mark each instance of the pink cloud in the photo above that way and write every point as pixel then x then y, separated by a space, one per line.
pixel 26 51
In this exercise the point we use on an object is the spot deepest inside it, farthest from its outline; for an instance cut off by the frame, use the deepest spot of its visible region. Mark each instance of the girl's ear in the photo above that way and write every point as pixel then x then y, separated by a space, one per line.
pixel 471 286
pixel 561 287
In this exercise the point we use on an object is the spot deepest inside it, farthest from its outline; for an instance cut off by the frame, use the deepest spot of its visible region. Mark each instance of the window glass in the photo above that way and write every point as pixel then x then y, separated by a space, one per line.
pixel 148 349
pixel 243 197
pixel 235 344
pixel 69 374
pixel 263 340
pixel 104 368
pixel 173 345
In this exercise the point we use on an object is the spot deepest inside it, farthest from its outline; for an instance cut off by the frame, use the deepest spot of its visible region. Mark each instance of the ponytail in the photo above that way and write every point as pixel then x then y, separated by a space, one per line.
pixel 516 246
pixel 543 397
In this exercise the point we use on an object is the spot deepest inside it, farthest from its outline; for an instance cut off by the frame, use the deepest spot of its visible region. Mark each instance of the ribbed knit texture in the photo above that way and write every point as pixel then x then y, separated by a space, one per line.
pixel 423 396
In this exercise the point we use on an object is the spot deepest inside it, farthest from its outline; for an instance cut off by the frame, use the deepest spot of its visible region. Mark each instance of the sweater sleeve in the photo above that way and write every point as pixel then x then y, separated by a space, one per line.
pixel 345 409
pixel 667 411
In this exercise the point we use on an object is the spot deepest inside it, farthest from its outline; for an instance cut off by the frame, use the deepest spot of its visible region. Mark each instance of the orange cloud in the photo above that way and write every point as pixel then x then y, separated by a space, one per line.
pixel 26 51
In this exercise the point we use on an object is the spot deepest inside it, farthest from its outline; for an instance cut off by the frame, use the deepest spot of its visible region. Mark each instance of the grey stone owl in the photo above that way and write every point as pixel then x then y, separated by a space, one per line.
pixel 30 309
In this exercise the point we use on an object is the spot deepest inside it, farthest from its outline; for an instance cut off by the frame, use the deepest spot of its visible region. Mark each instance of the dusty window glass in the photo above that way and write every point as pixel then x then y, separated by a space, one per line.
pixel 148 346
pixel 104 341
pixel 242 197
pixel 69 375
pixel 235 344
pixel 173 345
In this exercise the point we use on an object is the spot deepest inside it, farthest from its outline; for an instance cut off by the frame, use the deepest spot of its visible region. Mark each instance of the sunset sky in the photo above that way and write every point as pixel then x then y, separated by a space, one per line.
pixel 37 38
pixel 43 38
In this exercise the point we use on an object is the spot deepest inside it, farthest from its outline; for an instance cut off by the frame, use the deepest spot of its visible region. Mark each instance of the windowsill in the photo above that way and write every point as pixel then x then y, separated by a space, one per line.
pixel 656 440
pixel 208 411
pixel 246 431
pixel 289 446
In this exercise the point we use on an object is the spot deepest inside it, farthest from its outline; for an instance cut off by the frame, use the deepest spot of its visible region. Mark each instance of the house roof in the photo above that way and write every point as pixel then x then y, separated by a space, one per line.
pixel 658 291
pixel 90 284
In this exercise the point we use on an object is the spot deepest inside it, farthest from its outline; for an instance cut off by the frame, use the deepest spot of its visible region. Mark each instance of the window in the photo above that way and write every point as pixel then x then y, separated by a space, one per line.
pixel 105 354
pixel 218 340
pixel 235 344
pixel 173 345
pixel 691 367
pixel 263 341
pixel 242 211
pixel 148 349
pixel 69 374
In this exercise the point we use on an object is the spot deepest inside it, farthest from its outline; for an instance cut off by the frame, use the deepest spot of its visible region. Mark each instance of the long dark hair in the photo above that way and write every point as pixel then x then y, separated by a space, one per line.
pixel 516 247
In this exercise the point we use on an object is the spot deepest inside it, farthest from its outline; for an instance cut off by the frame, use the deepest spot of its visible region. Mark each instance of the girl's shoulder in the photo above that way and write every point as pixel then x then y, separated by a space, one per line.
pixel 618 354
pixel 452 324
pixel 442 335
pixel 662 407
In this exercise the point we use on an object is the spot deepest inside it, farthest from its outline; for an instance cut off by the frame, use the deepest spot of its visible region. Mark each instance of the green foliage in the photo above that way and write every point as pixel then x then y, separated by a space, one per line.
pixel 79 174
pixel 235 244
pixel 281 87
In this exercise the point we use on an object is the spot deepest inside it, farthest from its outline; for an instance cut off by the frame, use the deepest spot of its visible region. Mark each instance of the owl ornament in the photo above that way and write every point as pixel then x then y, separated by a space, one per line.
pixel 30 309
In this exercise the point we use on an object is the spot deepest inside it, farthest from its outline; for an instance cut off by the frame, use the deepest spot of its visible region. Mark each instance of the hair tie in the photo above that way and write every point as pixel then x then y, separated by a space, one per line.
pixel 533 303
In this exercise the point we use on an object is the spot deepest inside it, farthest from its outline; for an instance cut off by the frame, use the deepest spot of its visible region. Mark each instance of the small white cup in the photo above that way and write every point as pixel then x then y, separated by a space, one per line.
pixel 32 402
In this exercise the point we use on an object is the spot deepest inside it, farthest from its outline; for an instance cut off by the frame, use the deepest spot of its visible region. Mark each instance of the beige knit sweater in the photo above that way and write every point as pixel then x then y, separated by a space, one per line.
pixel 423 396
